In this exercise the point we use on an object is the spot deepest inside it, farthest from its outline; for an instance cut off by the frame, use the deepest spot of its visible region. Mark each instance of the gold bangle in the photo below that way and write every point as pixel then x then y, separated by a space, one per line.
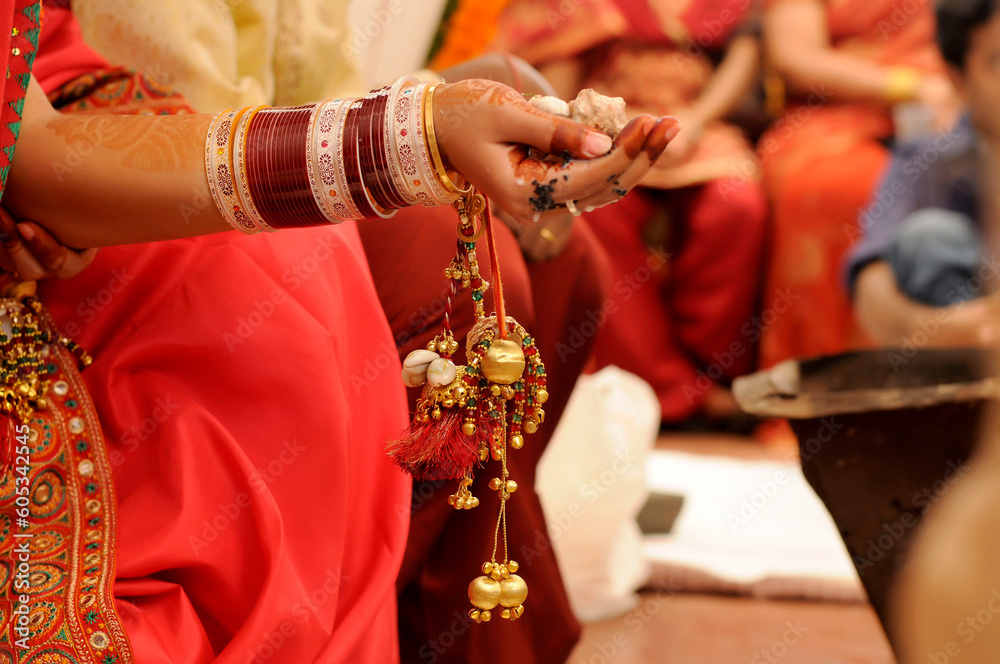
pixel 901 84
pixel 432 143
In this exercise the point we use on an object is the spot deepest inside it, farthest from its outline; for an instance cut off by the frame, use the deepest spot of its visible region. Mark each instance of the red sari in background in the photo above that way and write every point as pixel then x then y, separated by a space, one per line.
pixel 822 160
pixel 686 248
pixel 245 386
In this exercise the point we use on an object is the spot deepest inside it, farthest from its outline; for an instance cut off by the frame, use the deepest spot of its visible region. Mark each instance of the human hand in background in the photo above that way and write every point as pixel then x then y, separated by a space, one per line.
pixel 972 323
pixel 543 241
pixel 28 252
pixel 939 96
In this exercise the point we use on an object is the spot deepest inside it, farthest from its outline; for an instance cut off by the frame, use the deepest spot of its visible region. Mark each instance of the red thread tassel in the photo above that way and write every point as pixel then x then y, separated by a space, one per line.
pixel 438 450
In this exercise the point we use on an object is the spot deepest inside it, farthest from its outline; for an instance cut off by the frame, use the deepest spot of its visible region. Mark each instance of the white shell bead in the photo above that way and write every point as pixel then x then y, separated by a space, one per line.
pixel 420 358
pixel 441 372
pixel 414 377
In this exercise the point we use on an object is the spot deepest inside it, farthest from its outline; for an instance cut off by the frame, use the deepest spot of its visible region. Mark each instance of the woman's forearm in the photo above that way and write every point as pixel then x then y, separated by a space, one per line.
pixel 108 179
pixel 797 43
pixel 98 180
pixel 730 82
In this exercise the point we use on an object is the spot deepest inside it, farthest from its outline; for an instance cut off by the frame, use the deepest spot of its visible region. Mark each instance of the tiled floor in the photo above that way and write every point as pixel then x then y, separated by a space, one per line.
pixel 708 629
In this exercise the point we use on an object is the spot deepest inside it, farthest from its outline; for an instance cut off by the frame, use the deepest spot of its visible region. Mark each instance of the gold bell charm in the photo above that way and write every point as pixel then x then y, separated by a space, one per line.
pixel 500 586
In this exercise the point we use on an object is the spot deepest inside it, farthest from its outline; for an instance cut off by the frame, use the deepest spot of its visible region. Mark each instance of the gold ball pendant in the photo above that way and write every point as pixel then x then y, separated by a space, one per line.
pixel 503 363
pixel 513 591
pixel 484 592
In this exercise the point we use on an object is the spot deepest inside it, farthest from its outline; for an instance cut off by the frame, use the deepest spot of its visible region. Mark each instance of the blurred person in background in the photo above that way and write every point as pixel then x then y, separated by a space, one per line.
pixel 844 66
pixel 948 596
pixel 924 263
pixel 686 247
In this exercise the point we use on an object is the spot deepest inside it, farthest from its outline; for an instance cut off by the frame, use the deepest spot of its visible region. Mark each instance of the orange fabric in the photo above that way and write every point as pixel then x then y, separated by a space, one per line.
pixel 821 161
pixel 246 386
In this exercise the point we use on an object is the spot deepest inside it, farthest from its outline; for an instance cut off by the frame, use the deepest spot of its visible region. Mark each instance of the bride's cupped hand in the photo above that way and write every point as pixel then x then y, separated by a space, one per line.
pixel 485 130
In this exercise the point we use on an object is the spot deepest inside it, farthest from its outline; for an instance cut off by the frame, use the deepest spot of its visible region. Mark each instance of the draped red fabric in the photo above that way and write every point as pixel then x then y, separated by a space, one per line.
pixel 245 386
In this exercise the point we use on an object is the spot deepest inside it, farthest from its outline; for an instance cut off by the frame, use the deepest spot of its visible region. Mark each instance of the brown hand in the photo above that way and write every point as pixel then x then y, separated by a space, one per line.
pixel 28 252
pixel 484 130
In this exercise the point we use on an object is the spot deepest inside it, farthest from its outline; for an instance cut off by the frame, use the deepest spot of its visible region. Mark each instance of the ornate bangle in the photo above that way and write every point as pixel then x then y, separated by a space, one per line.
pixel 339 159
pixel 322 174
pixel 425 166
pixel 218 159
pixel 392 148
pixel 901 84
pixel 406 140
pixel 272 168
pixel 442 174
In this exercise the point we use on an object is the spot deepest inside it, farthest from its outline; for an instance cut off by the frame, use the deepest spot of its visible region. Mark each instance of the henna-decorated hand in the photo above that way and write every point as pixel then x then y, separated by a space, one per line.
pixel 485 129
pixel 28 252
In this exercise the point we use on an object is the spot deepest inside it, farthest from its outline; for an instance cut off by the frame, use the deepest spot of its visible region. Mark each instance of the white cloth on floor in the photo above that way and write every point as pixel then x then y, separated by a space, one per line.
pixel 592 484
pixel 750 527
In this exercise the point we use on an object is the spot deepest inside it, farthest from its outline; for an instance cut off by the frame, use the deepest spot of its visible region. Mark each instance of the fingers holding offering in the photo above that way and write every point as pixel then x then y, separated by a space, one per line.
pixel 576 185
pixel 664 130
pixel 532 162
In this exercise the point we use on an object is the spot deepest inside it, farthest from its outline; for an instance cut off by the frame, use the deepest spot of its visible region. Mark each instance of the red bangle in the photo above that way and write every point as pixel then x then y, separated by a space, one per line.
pixel 298 200
pixel 353 162
pixel 382 172
pixel 365 147
pixel 278 168
pixel 254 155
